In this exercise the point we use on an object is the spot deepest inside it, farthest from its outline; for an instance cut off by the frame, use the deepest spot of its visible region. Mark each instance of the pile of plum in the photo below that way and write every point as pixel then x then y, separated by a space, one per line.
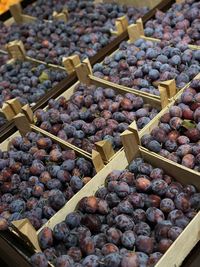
pixel 86 12
pixel 85 33
pixel 178 133
pixel 131 222
pixel 181 23
pixel 26 82
pixel 50 42
pixel 37 178
pixel 93 114
pixel 142 63
pixel 44 9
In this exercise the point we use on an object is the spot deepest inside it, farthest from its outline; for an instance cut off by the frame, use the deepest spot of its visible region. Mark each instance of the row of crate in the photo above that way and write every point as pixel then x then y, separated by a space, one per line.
pixel 104 158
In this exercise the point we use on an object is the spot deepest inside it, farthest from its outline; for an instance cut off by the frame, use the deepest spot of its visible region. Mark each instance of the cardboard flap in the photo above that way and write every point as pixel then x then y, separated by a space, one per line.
pixel 163 96
pixel 27 232
pixel 60 16
pixel 22 124
pixel 133 32
pixel 130 144
pixel 121 25
pixel 16 11
pixel 87 62
pixel 28 112
pixel 170 86
pixel 139 24
pixel 83 71
pixel 70 63
pixel 15 105
pixel 97 160
pixel 16 50
pixel 11 108
pixel 105 149
pixel 66 12
pixel 7 111
pixel 134 129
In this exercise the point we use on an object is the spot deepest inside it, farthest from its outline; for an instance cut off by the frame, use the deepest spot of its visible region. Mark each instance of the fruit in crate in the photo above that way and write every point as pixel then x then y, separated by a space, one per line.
pixel 180 24
pixel 27 82
pixel 178 133
pixel 50 42
pixel 109 238
pixel 143 64
pixel 85 12
pixel 35 185
pixel 85 33
pixel 93 114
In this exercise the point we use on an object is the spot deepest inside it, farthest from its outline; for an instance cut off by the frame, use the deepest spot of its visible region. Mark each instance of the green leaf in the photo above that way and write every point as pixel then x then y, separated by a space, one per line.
pixel 33 69
pixel 188 124
pixel 43 77
pixel 84 109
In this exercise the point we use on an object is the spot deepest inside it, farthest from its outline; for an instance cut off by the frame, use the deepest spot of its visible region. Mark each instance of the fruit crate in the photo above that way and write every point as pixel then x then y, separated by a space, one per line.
pixel 185 241
pixel 19 16
pixel 120 23
pixel 136 33
pixel 91 141
pixel 186 123
pixel 167 89
pixel 108 36
pixel 17 55
pixel 162 25
pixel 39 140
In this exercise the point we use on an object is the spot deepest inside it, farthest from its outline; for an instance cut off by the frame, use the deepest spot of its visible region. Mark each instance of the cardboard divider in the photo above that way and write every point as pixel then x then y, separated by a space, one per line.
pixel 130 144
pixel 139 24
pixel 82 72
